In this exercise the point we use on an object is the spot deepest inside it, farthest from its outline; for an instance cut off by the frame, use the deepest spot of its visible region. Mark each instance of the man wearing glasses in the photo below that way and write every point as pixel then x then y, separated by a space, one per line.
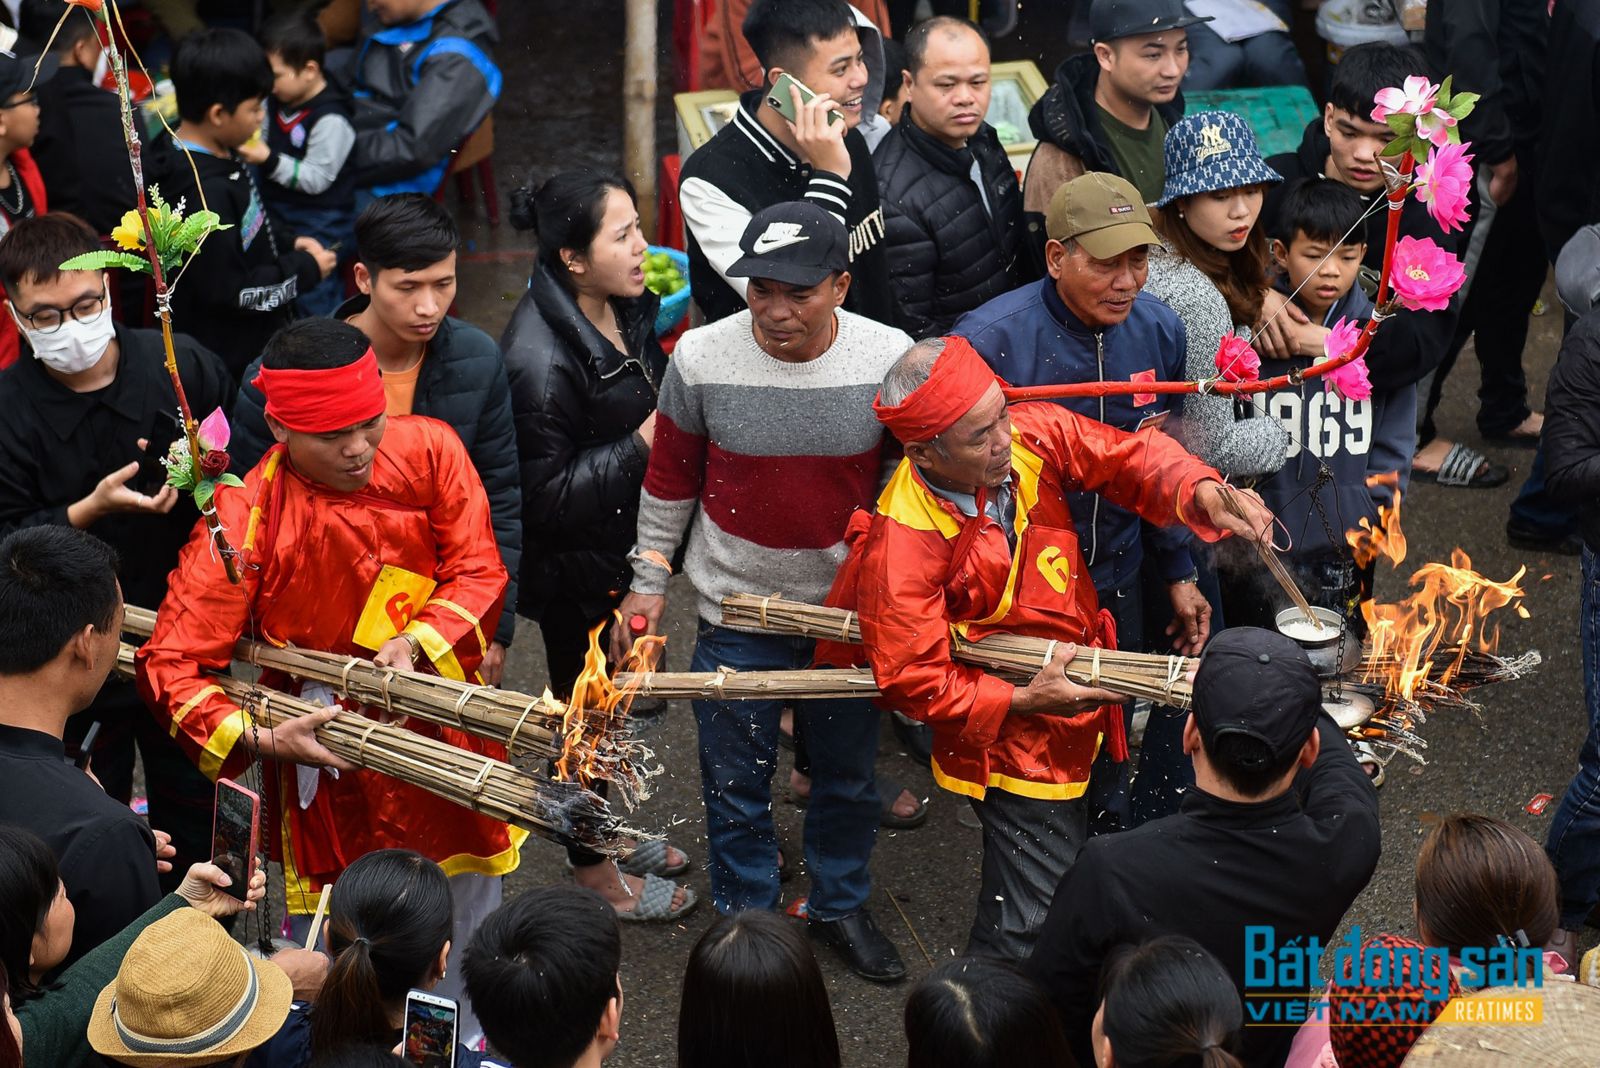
pixel 86 413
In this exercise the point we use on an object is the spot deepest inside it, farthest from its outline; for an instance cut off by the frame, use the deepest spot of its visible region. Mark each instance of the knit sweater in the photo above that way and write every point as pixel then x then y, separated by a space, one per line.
pixel 1238 445
pixel 768 458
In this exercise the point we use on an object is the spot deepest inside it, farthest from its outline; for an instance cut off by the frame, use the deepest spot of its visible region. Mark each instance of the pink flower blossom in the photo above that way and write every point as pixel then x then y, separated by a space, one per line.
pixel 1425 275
pixel 1236 360
pixel 1419 99
pixel 1348 380
pixel 1443 181
pixel 214 432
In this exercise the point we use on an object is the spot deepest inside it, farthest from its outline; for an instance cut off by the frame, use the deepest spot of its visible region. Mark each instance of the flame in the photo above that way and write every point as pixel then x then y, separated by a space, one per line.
pixel 596 708
pixel 1387 539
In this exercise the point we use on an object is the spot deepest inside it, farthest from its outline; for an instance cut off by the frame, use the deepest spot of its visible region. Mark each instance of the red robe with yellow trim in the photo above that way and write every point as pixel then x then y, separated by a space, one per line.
pixel 342 572
pixel 918 568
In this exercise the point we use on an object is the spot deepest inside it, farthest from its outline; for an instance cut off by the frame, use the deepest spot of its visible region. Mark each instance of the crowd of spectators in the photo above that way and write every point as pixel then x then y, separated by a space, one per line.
pixel 868 268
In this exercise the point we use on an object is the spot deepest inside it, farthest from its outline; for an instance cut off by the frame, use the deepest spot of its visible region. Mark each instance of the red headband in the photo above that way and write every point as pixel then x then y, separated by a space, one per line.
pixel 331 398
pixel 958 380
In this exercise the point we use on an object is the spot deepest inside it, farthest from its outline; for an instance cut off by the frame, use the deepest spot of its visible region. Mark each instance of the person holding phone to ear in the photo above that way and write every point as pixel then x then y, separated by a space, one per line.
pixel 782 146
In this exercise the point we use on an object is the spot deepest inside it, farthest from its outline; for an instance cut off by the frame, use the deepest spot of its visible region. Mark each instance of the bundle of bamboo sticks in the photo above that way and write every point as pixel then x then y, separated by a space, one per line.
pixel 1164 679
pixel 542 727
pixel 730 685
pixel 563 812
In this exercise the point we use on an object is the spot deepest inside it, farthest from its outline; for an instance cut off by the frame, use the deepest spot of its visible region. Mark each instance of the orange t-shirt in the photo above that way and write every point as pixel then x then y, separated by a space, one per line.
pixel 400 389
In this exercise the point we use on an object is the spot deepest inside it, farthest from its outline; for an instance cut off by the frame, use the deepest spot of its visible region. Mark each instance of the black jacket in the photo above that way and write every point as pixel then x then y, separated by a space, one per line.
pixel 1569 139
pixel 1411 344
pixel 78 149
pixel 1572 426
pixel 240 287
pixel 1495 48
pixel 416 99
pixel 1294 863
pixel 463 383
pixel 56 445
pixel 950 247
pixel 1066 115
pixel 577 402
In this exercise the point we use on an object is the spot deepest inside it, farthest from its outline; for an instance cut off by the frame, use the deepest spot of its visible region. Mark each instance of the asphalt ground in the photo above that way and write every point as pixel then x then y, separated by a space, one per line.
pixel 562 107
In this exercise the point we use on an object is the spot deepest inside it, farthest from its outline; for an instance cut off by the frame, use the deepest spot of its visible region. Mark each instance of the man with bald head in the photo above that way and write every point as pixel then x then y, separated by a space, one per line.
pixel 973 534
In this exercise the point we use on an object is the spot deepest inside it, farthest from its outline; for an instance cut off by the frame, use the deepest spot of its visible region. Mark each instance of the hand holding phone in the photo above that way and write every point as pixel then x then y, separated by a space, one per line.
pixel 819 127
pixel 430 1031
pixel 236 834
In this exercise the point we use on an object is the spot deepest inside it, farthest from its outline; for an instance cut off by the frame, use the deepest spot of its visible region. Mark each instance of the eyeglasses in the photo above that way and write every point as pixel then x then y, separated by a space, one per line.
pixel 49 320
pixel 31 98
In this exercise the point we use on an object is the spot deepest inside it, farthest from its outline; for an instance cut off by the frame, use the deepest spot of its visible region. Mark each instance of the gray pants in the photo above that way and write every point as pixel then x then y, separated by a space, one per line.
pixel 1028 845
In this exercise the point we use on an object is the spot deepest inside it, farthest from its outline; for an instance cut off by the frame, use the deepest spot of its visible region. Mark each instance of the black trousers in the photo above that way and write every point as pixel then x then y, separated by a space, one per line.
pixel 1510 275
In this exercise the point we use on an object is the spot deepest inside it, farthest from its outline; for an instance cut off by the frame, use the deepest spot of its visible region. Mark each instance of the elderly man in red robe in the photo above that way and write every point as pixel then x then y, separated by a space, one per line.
pixel 972 534
pixel 358 535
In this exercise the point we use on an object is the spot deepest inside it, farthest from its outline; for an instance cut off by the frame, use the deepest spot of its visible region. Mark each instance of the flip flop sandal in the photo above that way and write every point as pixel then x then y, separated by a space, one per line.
pixel 650 858
pixel 1367 757
pixel 889 792
pixel 655 902
pixel 1465 468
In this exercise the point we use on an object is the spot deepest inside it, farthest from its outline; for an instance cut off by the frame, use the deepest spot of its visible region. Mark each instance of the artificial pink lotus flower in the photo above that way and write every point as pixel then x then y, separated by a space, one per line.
pixel 1419 99
pixel 1236 360
pixel 1443 181
pixel 1348 380
pixel 214 432
pixel 1425 276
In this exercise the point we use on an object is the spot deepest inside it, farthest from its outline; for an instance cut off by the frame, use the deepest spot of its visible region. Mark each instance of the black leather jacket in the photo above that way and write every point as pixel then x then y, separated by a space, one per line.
pixel 576 402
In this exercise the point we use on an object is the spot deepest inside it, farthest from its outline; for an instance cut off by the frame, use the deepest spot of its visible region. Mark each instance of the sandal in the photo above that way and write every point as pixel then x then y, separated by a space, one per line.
pixel 651 858
pixel 889 792
pixel 1367 757
pixel 1464 467
pixel 655 902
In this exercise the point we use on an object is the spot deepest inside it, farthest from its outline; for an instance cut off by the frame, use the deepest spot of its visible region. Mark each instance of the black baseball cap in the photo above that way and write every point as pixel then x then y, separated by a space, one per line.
pixel 794 242
pixel 16 72
pixel 1111 19
pixel 1260 684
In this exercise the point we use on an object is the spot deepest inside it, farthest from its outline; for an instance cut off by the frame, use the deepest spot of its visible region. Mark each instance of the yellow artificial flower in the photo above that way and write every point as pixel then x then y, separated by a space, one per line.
pixel 129 234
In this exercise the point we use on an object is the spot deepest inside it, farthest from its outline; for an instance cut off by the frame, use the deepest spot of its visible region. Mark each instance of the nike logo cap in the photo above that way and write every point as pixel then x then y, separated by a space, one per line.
pixel 795 242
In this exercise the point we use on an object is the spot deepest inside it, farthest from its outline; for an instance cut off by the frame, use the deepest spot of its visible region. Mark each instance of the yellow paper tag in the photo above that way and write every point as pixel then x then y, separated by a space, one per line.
pixel 396 596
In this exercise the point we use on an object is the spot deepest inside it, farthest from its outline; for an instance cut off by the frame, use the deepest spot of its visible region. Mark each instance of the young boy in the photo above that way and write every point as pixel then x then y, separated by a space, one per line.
pixel 241 286
pixel 1364 445
pixel 309 138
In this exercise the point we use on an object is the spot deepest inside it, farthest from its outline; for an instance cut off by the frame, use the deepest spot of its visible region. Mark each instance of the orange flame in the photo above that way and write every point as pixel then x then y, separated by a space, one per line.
pixel 1387 539
pixel 595 707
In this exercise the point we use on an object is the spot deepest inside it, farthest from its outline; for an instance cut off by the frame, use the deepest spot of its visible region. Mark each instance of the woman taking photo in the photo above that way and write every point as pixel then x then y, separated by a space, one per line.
pixel 584 365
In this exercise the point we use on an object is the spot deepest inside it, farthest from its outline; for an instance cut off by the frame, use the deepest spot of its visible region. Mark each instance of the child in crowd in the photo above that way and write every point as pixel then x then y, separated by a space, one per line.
pixel 308 140
pixel 1345 457
pixel 241 286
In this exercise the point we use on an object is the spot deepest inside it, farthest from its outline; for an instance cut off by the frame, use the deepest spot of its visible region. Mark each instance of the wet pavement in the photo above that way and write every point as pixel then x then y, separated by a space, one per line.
pixel 562 106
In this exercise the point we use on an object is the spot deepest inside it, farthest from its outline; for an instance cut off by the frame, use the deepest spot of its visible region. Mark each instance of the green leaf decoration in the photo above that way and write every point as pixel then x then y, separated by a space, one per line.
pixel 1399 146
pixel 203 492
pixel 1444 89
pixel 231 480
pixel 1402 124
pixel 99 261
pixel 1461 104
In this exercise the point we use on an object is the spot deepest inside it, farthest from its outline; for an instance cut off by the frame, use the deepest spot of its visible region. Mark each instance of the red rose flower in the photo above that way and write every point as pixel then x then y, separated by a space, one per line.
pixel 213 464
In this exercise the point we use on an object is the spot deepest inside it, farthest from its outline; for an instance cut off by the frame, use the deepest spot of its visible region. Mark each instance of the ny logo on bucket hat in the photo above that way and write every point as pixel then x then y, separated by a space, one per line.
pixel 1212 143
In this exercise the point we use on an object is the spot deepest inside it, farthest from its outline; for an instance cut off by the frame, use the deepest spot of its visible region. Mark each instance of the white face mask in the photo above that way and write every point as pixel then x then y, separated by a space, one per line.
pixel 75 346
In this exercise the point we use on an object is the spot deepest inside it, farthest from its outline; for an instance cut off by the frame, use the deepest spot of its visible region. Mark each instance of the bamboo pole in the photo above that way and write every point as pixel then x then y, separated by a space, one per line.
pixel 640 75
pixel 563 812
pixel 750 685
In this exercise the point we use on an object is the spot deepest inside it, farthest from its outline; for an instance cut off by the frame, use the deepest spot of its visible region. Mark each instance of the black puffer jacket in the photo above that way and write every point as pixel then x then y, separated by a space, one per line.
pixel 948 253
pixel 463 383
pixel 1572 426
pixel 577 402
pixel 1066 116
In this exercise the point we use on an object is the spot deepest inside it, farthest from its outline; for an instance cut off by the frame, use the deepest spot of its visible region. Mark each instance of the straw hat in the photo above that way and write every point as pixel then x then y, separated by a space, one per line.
pixel 187 993
pixel 1569 1034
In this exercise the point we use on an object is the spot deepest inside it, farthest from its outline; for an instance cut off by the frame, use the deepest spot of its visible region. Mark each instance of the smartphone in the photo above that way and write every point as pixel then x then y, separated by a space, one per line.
pixel 779 98
pixel 152 472
pixel 236 834
pixel 430 1030
pixel 86 747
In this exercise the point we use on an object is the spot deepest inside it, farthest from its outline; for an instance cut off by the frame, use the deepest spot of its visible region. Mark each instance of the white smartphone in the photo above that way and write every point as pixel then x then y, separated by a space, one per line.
pixel 430 1030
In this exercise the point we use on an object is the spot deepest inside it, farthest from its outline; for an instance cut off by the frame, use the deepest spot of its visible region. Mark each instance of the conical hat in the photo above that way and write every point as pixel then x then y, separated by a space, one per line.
pixel 1568 1036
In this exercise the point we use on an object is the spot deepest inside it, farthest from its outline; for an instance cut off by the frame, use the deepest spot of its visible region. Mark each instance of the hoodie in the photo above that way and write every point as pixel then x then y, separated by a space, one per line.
pixel 1411 344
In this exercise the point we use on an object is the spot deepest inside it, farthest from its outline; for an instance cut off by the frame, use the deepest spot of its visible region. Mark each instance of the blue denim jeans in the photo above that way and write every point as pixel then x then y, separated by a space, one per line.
pixel 1534 507
pixel 1574 842
pixel 738 754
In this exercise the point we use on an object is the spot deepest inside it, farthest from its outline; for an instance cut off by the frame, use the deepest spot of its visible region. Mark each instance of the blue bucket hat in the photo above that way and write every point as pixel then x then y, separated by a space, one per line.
pixel 1212 150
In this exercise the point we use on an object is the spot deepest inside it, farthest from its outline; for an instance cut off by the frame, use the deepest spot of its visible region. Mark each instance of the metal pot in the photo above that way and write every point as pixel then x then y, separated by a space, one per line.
pixel 1336 653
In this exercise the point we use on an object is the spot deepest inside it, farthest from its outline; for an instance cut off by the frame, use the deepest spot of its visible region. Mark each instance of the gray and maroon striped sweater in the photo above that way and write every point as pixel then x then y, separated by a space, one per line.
pixel 773 456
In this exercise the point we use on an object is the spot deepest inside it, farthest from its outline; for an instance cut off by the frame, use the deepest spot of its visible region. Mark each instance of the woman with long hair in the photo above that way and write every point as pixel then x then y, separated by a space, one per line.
pixel 976 1012
pixel 584 364
pixel 1164 1004
pixel 753 997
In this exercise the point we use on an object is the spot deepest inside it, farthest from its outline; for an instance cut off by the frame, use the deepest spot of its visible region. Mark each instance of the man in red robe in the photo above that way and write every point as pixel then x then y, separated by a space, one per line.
pixel 972 534
pixel 357 535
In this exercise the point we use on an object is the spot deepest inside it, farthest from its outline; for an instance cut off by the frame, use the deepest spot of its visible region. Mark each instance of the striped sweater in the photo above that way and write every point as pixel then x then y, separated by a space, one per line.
pixel 768 458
